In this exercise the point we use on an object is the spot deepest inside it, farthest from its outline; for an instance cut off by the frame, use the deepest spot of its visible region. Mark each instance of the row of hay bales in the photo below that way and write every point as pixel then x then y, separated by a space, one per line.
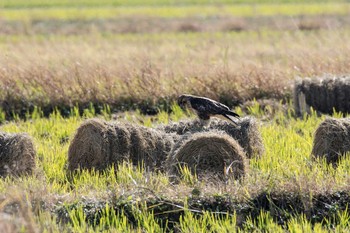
pixel 97 144
pixel 323 94
pixel 218 150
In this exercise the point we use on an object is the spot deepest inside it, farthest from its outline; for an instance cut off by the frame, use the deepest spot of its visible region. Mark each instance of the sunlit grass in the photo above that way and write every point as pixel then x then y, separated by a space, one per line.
pixel 243 10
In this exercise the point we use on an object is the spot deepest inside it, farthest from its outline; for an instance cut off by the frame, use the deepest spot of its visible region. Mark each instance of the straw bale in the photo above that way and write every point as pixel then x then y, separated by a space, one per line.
pixel 17 154
pixel 90 146
pixel 323 94
pixel 98 144
pixel 332 139
pixel 144 145
pixel 246 132
pixel 209 155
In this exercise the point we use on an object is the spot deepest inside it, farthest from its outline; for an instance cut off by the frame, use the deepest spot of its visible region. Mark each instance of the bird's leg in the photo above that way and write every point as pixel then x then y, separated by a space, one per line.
pixel 204 123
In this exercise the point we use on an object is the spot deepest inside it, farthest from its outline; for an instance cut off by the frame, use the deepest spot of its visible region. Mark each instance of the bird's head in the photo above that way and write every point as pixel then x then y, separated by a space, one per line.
pixel 183 101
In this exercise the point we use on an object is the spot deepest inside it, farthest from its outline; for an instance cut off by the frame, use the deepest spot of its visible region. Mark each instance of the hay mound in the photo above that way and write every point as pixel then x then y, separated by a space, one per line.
pixel 17 155
pixel 208 155
pixel 90 146
pixel 246 132
pixel 323 94
pixel 140 145
pixel 332 139
pixel 98 144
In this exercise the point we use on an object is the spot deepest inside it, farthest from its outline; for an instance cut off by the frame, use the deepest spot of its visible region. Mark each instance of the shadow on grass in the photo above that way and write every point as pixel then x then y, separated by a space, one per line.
pixel 281 207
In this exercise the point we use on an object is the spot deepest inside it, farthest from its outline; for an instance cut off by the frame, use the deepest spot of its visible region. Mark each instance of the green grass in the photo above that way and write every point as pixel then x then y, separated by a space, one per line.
pixel 286 167
pixel 105 12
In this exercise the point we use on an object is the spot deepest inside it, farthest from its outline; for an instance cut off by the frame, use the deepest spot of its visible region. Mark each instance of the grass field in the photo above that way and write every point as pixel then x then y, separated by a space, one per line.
pixel 88 201
pixel 62 62
pixel 150 70
pixel 244 10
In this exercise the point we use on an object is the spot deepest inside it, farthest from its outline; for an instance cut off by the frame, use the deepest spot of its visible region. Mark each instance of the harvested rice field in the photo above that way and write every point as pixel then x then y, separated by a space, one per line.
pixel 283 188
pixel 92 139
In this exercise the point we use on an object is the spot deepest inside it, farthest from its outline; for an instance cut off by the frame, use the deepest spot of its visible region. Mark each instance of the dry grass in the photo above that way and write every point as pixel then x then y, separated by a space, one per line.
pixel 156 24
pixel 129 69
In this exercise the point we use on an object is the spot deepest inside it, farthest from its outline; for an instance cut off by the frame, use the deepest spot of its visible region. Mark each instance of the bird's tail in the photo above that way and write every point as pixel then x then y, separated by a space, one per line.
pixel 234 122
pixel 230 113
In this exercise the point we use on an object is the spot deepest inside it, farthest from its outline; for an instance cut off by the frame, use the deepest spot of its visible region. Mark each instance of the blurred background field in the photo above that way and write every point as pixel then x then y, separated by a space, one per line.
pixel 60 54
pixel 107 11
pixel 46 3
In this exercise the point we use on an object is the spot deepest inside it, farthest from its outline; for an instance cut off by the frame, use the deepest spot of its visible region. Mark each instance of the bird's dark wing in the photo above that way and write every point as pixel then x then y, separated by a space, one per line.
pixel 204 105
pixel 201 108
pixel 225 110
pixel 210 107
pixel 199 104
pixel 207 105
pixel 221 106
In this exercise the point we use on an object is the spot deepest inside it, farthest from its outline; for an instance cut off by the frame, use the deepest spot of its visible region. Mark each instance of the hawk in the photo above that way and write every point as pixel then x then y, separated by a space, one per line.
pixel 205 107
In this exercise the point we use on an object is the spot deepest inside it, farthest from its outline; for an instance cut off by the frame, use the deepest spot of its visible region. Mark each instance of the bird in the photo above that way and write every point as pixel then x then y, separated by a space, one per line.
pixel 205 108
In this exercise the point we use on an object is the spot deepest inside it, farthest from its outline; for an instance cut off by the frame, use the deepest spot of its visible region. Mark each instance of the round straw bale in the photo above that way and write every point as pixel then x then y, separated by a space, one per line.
pixel 183 127
pixel 17 154
pixel 98 144
pixel 246 132
pixel 120 143
pixel 144 146
pixel 332 139
pixel 90 146
pixel 209 155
